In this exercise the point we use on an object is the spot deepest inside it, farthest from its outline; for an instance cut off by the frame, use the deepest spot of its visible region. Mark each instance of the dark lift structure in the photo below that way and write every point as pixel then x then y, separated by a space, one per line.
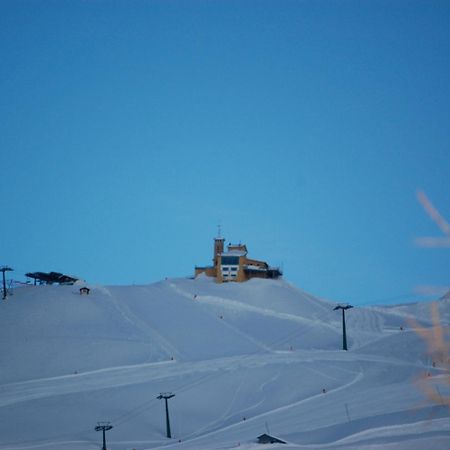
pixel 166 396
pixel 104 427
pixel 3 270
pixel 344 332
pixel 51 277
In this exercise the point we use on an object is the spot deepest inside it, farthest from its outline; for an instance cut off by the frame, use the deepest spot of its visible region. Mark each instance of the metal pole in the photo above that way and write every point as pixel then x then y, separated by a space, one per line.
pixel 104 427
pixel 169 435
pixel 4 285
pixel 5 269
pixel 166 397
pixel 344 333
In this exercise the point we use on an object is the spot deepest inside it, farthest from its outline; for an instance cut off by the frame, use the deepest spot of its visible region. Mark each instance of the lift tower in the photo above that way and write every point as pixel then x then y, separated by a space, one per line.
pixel 104 427
pixel 344 333
pixel 166 396
pixel 3 270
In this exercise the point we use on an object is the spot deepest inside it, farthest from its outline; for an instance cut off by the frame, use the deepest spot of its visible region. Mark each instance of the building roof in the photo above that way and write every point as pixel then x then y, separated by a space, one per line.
pixel 268 439
pixel 52 277
pixel 241 247
pixel 255 268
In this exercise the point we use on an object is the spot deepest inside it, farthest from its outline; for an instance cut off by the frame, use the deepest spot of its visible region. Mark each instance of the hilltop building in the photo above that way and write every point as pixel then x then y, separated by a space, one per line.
pixel 235 265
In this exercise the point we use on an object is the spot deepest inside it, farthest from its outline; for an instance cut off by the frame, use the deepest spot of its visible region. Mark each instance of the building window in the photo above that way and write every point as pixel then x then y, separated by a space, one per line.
pixel 230 260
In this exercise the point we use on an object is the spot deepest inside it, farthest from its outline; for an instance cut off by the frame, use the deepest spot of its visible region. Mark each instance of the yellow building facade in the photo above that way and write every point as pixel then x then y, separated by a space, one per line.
pixel 234 265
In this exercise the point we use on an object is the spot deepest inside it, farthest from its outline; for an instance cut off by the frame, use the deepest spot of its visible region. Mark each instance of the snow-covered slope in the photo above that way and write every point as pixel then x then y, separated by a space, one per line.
pixel 242 359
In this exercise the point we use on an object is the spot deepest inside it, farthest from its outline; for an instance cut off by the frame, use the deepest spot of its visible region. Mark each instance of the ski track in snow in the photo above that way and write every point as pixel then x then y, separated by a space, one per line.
pixel 125 375
pixel 415 428
pixel 365 380
pixel 219 420
pixel 11 393
pixel 138 323
pixel 357 378
pixel 223 322
pixel 212 426
pixel 239 306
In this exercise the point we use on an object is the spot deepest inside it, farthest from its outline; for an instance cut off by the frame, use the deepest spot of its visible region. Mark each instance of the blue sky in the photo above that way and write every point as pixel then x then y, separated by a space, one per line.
pixel 129 130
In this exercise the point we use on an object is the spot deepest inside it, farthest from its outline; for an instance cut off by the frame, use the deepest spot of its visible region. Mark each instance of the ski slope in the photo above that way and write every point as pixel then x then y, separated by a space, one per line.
pixel 242 359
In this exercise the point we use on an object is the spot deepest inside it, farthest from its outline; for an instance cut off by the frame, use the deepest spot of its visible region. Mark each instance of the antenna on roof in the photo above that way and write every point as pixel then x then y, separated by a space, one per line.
pixel 219 231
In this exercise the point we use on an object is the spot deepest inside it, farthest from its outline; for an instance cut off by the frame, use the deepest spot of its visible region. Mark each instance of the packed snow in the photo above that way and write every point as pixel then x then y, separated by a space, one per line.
pixel 242 359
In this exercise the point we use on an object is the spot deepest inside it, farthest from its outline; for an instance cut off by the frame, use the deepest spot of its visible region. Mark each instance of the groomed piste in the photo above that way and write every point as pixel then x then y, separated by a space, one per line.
pixel 242 359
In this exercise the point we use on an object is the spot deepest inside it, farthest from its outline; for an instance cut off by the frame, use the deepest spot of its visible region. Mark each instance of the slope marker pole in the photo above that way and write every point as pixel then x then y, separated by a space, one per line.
pixel 348 414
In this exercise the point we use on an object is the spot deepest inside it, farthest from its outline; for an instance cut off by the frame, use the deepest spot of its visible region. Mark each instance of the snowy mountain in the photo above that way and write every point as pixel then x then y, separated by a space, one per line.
pixel 242 359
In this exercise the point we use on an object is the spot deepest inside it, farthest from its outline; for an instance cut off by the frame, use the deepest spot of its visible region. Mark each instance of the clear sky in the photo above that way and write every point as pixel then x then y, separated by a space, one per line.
pixel 130 129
